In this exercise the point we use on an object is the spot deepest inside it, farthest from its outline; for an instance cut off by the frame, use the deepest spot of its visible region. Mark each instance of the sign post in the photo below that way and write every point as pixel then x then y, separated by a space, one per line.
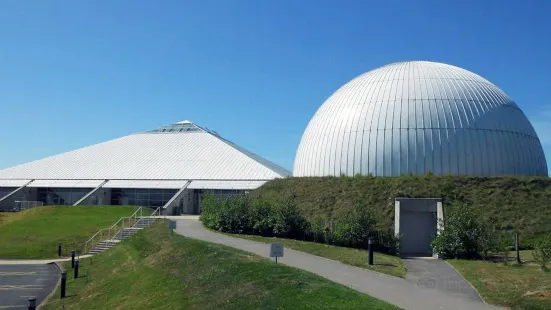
pixel 171 226
pixel 276 250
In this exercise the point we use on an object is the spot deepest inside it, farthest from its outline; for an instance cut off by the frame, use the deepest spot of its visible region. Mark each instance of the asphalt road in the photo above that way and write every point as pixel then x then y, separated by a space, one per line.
pixel 20 282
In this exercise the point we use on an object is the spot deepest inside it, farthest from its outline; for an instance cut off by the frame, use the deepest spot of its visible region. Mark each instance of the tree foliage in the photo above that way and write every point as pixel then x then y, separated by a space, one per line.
pixel 465 235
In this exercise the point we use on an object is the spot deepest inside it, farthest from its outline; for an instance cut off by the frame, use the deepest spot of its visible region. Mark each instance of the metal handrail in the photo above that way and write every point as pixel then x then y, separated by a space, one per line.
pixel 157 212
pixel 115 227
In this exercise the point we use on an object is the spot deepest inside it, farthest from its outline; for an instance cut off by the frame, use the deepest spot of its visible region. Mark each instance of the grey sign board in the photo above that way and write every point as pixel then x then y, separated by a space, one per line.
pixel 276 249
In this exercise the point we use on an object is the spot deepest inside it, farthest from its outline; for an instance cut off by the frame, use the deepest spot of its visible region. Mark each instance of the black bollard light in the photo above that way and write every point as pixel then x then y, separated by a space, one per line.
pixel 63 284
pixel 59 249
pixel 73 259
pixel 32 303
pixel 76 269
pixel 370 244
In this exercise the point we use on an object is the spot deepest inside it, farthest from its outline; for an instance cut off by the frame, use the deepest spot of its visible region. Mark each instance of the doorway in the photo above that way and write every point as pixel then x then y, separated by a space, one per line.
pixel 416 222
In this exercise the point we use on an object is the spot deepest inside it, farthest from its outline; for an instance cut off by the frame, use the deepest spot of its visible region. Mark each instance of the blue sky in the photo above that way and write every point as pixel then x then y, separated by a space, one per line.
pixel 74 73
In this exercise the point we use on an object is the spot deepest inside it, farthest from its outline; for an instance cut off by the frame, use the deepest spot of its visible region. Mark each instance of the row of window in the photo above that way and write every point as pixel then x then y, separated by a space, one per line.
pixel 61 196
pixel 141 197
pixel 119 196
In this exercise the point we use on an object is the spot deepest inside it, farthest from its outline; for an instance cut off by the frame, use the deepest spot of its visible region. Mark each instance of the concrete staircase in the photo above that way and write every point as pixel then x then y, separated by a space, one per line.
pixel 123 234
pixel 144 222
pixel 102 246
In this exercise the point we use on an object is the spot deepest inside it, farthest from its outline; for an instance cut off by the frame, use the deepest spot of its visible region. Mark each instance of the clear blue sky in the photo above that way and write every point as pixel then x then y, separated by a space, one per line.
pixel 74 73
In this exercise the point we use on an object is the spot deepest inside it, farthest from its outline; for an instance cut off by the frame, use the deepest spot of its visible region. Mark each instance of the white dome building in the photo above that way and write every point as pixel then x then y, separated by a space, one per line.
pixel 416 117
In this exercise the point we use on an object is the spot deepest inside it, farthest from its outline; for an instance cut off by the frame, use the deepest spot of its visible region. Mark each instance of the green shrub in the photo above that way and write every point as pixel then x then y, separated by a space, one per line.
pixel 210 213
pixel 234 215
pixel 289 222
pixel 354 229
pixel 542 251
pixel 262 217
pixel 465 235
pixel 284 218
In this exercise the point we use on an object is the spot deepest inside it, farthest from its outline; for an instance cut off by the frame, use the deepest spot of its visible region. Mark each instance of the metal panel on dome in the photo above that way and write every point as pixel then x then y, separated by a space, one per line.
pixel 447 120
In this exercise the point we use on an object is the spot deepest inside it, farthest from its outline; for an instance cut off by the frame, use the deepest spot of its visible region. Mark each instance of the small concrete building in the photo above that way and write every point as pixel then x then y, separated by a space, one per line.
pixel 170 167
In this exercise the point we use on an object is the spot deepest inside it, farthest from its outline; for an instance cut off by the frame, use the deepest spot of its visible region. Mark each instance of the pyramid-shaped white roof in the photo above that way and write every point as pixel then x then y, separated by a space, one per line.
pixel 181 151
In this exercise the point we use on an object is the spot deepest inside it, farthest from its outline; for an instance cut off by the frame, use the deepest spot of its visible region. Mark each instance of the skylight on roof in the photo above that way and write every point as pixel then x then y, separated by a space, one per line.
pixel 185 126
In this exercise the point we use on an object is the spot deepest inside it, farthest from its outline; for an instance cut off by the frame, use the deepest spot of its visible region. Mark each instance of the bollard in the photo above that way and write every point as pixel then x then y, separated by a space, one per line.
pixel 32 303
pixel 73 259
pixel 63 284
pixel 371 242
pixel 76 269
pixel 517 248
pixel 59 249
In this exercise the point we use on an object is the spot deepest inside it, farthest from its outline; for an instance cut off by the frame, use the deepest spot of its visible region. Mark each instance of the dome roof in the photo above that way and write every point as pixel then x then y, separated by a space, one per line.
pixel 416 117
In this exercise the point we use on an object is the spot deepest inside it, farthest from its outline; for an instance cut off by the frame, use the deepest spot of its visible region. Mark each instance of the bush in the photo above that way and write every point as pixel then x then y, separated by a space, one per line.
pixel 284 218
pixel 542 250
pixel 241 215
pixel 210 215
pixel 289 222
pixel 262 217
pixel 355 228
pixel 465 235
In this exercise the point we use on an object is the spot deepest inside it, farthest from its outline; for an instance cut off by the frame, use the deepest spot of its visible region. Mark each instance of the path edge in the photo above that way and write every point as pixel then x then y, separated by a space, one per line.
pixel 52 293
pixel 474 288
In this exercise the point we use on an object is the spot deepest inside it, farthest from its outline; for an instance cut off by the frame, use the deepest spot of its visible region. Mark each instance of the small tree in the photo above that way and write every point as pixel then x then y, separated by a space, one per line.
pixel 542 251
pixel 465 235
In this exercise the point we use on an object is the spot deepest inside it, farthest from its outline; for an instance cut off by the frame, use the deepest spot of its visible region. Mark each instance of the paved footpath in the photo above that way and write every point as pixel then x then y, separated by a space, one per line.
pixel 400 292
pixel 439 275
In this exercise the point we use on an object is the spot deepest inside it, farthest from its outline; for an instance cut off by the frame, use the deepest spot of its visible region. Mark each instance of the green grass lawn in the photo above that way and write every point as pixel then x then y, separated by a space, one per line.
pixel 383 263
pixel 524 286
pixel 159 270
pixel 35 233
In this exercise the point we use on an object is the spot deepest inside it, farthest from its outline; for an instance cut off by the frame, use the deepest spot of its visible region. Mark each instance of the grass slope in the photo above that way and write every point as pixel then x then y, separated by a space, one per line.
pixel 521 203
pixel 524 286
pixel 35 233
pixel 381 262
pixel 157 270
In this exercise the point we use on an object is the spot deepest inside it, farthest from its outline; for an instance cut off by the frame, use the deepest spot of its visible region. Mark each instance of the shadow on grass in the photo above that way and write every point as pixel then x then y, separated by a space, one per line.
pixel 545 269
pixel 70 296
pixel 384 264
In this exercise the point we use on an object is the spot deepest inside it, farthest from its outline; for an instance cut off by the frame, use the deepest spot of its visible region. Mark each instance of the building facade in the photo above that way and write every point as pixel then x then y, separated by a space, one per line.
pixel 170 167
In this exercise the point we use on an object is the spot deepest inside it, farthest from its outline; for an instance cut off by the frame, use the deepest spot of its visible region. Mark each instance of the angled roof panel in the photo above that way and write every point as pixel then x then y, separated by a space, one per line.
pixel 66 183
pixel 155 155
pixel 235 185
pixel 144 184
pixel 13 183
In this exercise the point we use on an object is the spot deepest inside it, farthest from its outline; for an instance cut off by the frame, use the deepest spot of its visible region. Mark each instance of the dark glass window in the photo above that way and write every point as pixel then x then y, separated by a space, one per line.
pixel 141 197
pixel 61 196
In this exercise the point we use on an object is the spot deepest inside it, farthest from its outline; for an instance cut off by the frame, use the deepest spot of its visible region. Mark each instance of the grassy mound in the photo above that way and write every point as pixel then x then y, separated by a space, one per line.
pixel 515 286
pixel 157 270
pixel 35 233
pixel 514 203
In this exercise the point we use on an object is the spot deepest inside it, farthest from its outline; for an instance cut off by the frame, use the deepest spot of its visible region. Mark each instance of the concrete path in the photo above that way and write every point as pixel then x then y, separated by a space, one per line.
pixel 36 261
pixel 431 273
pixel 20 282
pixel 399 292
